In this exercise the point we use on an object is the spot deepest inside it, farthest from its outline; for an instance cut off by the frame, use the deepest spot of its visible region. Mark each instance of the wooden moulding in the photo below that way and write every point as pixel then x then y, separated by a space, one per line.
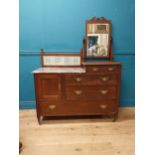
pixel 101 63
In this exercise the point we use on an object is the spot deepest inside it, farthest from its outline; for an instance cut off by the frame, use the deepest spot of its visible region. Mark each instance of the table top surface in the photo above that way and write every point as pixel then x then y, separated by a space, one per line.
pixel 60 70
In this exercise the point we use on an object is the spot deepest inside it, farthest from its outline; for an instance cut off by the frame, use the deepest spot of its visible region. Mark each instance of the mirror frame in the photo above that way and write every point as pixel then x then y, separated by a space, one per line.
pixel 97 21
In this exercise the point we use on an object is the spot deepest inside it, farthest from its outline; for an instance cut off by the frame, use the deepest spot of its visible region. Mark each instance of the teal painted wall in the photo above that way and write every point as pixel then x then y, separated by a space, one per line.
pixel 59 25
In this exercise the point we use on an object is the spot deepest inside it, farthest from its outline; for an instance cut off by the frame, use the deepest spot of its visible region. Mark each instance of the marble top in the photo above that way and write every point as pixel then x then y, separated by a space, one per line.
pixel 59 70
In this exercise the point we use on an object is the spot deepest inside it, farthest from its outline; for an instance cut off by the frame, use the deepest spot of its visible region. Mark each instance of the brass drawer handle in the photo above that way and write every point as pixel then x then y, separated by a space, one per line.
pixel 103 106
pixel 78 79
pixel 110 69
pixel 104 78
pixel 95 69
pixel 52 107
pixel 78 92
pixel 104 92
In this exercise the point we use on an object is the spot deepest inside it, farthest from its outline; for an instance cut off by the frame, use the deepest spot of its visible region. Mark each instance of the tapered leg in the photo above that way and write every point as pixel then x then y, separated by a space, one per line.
pixel 40 118
pixel 115 116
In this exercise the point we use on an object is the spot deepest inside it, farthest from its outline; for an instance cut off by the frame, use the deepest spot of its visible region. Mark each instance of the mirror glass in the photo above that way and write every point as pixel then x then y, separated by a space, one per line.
pixel 98 40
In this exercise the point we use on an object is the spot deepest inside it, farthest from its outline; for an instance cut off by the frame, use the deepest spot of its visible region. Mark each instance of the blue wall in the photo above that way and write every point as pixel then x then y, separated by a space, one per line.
pixel 59 25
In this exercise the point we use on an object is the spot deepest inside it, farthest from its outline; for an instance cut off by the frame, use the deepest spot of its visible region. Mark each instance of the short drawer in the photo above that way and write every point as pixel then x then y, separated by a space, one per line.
pixel 90 92
pixel 91 79
pixel 78 108
pixel 103 69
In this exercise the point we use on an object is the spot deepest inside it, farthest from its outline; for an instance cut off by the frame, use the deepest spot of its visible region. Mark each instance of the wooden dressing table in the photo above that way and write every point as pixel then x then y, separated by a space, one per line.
pixel 68 85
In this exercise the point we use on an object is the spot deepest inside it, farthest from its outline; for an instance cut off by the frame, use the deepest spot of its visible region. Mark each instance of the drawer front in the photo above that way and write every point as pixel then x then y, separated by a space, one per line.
pixel 78 108
pixel 90 92
pixel 48 108
pixel 103 69
pixel 91 79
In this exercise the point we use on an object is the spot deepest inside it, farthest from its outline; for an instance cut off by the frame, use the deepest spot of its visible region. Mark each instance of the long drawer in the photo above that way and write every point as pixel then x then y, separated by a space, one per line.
pixel 86 79
pixel 91 92
pixel 49 108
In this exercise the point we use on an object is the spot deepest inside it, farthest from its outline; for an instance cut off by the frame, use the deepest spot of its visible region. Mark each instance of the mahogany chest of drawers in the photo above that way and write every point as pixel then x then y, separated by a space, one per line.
pixel 92 89
pixel 73 84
